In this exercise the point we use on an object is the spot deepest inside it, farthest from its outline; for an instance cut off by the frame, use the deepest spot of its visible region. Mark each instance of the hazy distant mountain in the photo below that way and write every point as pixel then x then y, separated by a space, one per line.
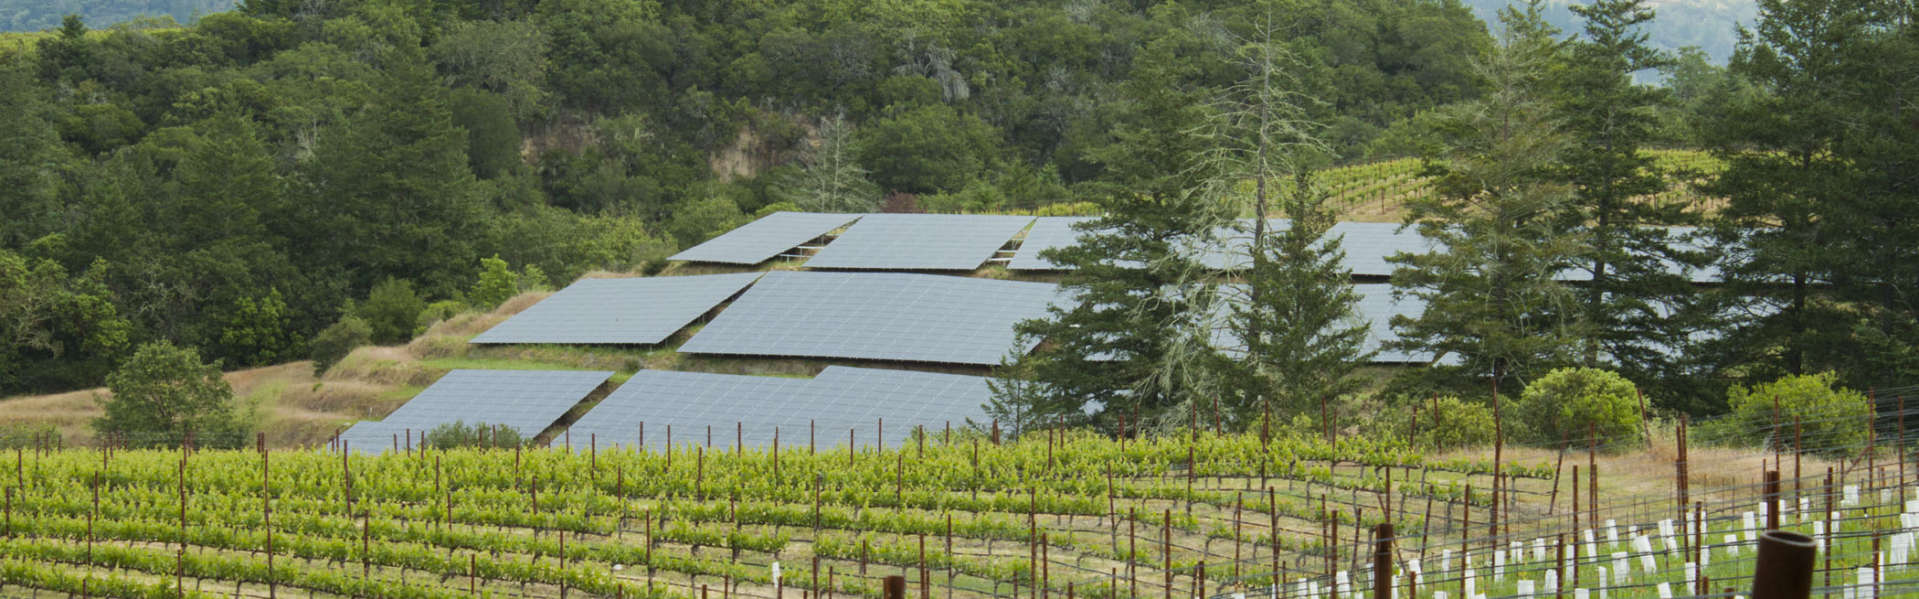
pixel 1709 24
pixel 40 15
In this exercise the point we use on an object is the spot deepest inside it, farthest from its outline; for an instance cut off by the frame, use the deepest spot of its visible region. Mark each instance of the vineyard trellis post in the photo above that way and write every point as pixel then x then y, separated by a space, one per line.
pixel 1383 560
pixel 1166 549
pixel 1681 478
pixel 1772 499
pixel 1465 539
pixel 266 510
pixel 1783 569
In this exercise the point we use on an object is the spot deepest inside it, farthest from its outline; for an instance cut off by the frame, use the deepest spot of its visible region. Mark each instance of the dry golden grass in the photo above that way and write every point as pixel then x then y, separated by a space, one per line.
pixel 72 413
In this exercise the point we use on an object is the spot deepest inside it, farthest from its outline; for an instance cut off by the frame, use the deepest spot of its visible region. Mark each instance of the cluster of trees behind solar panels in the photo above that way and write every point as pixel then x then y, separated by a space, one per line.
pixel 1554 248
pixel 234 184
pixel 241 184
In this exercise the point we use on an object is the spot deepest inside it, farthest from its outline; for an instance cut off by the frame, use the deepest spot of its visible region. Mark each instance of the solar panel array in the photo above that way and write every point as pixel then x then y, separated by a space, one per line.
pixel 526 401
pixel 875 316
pixel 1368 245
pixel 687 407
pixel 631 311
pixel 1376 308
pixel 1048 232
pixel 765 238
pixel 919 242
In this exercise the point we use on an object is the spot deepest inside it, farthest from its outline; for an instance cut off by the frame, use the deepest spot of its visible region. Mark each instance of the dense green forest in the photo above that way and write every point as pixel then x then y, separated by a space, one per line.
pixel 236 184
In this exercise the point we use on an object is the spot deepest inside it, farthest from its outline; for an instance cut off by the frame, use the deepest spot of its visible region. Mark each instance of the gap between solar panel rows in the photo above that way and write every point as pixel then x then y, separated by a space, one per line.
pixel 966 242
pixel 741 407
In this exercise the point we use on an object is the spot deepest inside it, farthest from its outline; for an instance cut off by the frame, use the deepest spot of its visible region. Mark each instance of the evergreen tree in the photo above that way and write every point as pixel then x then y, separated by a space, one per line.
pixel 1817 231
pixel 1492 306
pixel 1124 342
pixel 1295 317
pixel 30 160
pixel 1636 307
pixel 393 195
pixel 1299 317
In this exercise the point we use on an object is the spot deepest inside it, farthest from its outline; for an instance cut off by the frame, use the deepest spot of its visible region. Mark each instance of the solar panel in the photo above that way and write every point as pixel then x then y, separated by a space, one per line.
pixel 875 316
pixel 1368 245
pixel 750 408
pixel 1376 305
pixel 368 437
pixel 632 311
pixel 1048 232
pixel 526 401
pixel 689 402
pixel 919 242
pixel 858 398
pixel 765 238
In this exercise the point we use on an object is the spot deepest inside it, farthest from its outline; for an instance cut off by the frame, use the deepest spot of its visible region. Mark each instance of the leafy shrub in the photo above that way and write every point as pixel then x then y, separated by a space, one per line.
pixel 335 342
pixel 27 435
pixel 1460 423
pixel 391 310
pixel 1827 416
pixel 496 285
pixel 459 434
pixel 1444 423
pixel 436 312
pixel 259 331
pixel 164 393
pixel 1571 403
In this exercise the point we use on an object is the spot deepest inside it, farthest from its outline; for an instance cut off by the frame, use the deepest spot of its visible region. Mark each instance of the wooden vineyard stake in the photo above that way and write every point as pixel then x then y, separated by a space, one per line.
pixel 366 546
pixel 1237 500
pixel 1832 537
pixel 180 575
pixel 1465 537
pixel 1499 452
pixel 1382 561
pixel 266 511
pixel 1772 499
pixel 1272 531
pixel 1132 551
pixel 1166 549
pixel 90 516
pixel 1681 477
pixel 1559 565
pixel 699 473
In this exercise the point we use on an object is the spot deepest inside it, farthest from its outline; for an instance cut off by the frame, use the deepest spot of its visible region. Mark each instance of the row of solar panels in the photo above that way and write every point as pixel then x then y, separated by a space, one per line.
pixel 683 408
pixel 894 317
pixel 965 242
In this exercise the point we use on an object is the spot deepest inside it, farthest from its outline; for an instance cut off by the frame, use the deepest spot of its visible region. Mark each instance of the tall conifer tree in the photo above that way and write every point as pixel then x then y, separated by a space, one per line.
pixel 1132 303
pixel 1493 308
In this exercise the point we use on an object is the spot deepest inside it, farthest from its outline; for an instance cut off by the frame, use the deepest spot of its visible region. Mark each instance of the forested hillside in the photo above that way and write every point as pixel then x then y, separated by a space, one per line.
pixel 238 184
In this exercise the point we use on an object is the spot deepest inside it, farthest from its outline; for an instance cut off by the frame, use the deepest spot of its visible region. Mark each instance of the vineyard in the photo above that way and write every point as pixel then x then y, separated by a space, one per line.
pixel 1053 514
pixel 1378 191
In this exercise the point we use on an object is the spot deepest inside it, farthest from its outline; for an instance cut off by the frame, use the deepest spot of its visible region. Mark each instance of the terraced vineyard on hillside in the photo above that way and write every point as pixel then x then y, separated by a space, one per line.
pixel 1378 191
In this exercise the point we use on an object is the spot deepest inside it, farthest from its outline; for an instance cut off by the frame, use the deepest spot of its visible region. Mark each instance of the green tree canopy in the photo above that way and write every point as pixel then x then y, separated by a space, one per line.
pixel 163 395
